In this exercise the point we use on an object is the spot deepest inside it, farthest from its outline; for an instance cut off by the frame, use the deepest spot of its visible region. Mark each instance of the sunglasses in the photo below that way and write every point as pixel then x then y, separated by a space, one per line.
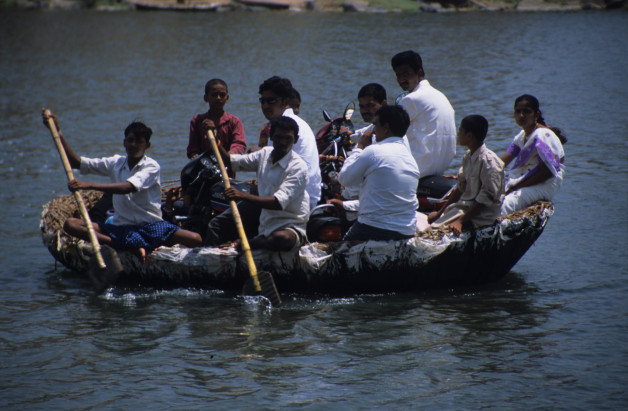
pixel 268 100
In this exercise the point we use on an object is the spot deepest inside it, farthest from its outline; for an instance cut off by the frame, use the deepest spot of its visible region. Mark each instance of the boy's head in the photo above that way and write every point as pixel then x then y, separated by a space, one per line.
pixel 391 121
pixel 371 98
pixel 213 82
pixel 284 132
pixel 137 139
pixel 216 93
pixel 408 67
pixel 139 129
pixel 295 101
pixel 275 93
pixel 473 126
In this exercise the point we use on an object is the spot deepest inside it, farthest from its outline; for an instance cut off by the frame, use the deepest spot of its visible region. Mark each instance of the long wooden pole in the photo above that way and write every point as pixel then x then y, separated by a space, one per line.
pixel 77 195
pixel 236 215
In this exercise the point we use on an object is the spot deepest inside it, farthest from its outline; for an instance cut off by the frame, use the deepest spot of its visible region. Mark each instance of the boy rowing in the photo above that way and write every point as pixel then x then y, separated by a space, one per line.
pixel 135 184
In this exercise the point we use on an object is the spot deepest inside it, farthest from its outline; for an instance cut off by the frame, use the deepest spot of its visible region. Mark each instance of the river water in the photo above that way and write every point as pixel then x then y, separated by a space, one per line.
pixel 551 335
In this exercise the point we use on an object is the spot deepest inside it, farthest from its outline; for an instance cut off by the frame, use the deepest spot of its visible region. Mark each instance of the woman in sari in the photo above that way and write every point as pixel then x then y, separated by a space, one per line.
pixel 537 172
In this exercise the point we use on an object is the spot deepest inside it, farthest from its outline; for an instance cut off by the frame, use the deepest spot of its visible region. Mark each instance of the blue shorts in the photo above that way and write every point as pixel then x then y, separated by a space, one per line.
pixel 148 236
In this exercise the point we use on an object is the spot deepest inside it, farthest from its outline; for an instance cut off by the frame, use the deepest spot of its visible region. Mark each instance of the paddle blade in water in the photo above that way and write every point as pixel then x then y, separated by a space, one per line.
pixel 269 290
pixel 102 278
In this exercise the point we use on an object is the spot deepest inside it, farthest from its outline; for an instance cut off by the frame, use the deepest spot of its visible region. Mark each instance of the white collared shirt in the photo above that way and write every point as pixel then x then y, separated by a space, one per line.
pixel 432 131
pixel 389 177
pixel 286 180
pixel 137 208
pixel 306 148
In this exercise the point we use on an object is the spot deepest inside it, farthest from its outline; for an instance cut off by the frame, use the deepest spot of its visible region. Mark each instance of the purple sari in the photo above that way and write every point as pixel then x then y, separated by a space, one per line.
pixel 542 145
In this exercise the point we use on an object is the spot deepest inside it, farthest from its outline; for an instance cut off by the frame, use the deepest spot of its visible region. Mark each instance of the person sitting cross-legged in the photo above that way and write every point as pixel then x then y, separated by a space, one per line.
pixel 282 178
pixel 135 184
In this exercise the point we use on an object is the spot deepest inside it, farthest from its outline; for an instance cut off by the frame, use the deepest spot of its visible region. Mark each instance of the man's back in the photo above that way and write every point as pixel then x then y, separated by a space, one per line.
pixel 432 131
pixel 389 177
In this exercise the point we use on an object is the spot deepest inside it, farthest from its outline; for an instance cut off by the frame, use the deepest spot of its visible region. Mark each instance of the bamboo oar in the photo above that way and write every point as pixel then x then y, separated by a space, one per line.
pixel 262 282
pixel 100 280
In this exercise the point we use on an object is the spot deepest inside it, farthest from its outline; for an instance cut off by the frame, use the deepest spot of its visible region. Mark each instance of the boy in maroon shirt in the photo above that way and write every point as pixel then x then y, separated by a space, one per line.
pixel 229 128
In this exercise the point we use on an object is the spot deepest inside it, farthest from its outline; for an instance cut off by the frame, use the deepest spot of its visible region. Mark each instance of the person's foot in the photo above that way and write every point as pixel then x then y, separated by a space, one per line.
pixel 141 254
pixel 230 244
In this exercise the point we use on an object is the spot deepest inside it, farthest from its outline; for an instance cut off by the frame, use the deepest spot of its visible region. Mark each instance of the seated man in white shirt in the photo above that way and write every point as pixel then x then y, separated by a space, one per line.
pixel 275 97
pixel 282 177
pixel 389 177
pixel 371 98
pixel 432 131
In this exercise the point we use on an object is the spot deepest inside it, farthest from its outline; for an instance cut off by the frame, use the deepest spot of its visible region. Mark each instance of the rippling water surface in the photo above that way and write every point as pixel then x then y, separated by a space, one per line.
pixel 551 335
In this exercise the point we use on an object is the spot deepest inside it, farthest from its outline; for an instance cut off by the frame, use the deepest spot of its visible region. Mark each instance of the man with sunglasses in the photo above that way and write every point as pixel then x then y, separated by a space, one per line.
pixel 275 95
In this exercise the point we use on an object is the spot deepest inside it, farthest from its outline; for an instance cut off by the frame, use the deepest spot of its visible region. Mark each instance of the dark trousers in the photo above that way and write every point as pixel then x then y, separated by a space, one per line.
pixel 222 228
pixel 365 232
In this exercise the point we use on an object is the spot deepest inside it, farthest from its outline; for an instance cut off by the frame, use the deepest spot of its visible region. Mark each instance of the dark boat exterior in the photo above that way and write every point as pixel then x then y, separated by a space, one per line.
pixel 435 259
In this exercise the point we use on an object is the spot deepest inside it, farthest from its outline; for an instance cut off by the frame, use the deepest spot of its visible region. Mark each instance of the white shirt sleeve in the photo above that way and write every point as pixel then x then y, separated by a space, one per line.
pixel 354 169
pixel 99 166
pixel 247 162
pixel 351 205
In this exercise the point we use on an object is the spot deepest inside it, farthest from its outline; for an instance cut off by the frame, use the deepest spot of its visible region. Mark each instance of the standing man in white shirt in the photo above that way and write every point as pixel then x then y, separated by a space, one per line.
pixel 432 131
pixel 282 181
pixel 275 96
pixel 389 177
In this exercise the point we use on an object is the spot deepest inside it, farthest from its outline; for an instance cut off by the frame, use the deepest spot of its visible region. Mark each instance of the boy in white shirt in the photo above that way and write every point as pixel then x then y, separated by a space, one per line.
pixel 136 187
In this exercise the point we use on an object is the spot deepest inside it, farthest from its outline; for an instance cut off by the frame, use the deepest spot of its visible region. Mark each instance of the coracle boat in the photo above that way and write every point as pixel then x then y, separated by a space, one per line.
pixel 435 259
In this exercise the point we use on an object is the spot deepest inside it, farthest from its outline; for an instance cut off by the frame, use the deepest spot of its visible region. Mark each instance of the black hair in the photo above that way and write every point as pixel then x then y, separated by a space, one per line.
pixel 282 87
pixel 213 82
pixel 409 57
pixel 533 103
pixel 295 94
pixel 377 91
pixel 395 117
pixel 476 125
pixel 284 123
pixel 139 130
